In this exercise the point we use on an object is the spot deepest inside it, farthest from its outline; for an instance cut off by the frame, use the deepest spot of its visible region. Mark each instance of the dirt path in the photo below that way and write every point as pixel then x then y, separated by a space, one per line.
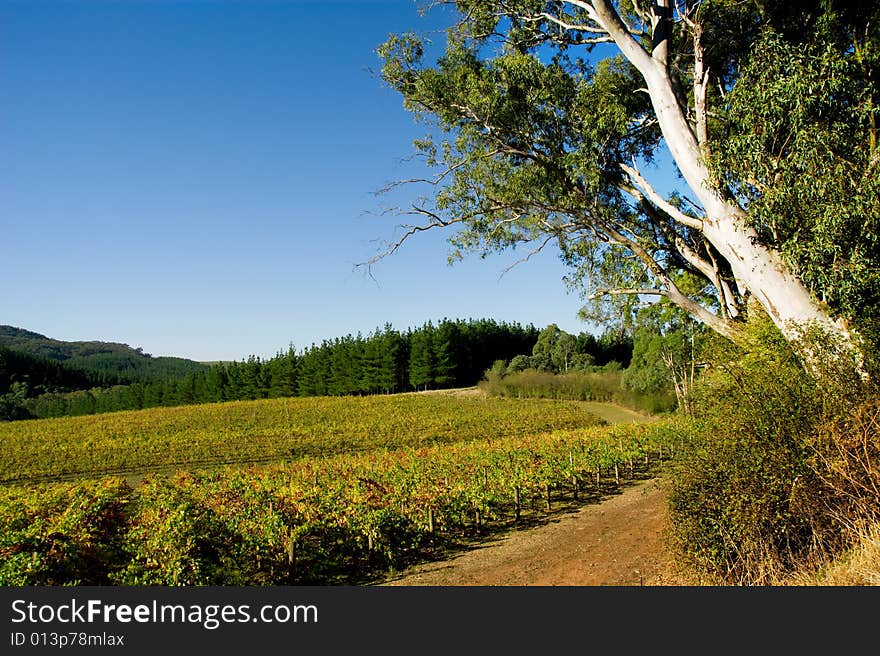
pixel 615 542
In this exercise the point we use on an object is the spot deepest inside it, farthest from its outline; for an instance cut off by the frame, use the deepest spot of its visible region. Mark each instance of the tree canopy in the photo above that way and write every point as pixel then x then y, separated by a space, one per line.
pixel 550 116
pixel 448 354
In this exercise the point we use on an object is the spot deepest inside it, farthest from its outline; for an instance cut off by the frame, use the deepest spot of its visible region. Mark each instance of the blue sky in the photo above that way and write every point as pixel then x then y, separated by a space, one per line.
pixel 196 178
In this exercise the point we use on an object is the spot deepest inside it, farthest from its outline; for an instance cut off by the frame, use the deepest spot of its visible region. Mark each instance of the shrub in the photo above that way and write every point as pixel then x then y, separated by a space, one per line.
pixel 845 455
pixel 601 384
pixel 779 471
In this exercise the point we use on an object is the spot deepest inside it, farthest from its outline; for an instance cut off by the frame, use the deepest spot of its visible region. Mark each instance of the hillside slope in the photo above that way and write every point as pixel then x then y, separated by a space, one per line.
pixel 120 360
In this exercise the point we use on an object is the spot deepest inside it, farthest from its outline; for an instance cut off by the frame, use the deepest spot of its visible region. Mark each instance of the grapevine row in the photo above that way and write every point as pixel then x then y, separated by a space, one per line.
pixel 264 431
pixel 343 519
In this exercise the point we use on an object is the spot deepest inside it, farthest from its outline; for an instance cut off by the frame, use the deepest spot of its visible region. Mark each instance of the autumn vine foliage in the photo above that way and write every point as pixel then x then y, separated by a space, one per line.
pixel 345 519
pixel 265 431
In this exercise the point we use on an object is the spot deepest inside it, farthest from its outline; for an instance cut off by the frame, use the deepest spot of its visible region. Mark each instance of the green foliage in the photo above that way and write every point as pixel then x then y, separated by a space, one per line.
pixel 422 358
pixel 24 377
pixel 800 150
pixel 12 403
pixel 599 384
pixel 582 367
pixel 532 141
pixel 556 351
pixel 62 535
pixel 555 346
pixel 531 144
pixel 648 373
pixel 536 384
pixel 846 459
pixel 667 353
pixel 454 353
pixel 117 362
pixel 746 501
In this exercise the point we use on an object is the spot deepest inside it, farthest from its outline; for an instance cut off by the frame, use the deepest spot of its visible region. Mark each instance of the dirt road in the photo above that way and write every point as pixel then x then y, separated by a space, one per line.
pixel 615 542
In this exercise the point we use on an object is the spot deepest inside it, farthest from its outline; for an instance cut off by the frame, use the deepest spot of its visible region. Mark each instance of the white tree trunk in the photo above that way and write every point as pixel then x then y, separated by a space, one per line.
pixel 756 268
pixel 761 270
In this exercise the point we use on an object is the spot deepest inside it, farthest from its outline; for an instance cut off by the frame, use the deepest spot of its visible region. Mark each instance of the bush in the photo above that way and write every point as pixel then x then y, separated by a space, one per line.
pixel 770 485
pixel 845 455
pixel 602 384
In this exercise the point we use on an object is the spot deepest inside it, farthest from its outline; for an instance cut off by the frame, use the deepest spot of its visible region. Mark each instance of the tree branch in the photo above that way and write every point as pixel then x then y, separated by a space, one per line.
pixel 567 26
pixel 437 179
pixel 673 293
pixel 607 17
pixel 664 205
pixel 627 291
pixel 529 255
pixel 728 297
pixel 661 13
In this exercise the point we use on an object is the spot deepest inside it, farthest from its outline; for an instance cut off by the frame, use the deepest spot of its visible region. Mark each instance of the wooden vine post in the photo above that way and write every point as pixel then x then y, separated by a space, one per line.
pixel 517 504
pixel 291 555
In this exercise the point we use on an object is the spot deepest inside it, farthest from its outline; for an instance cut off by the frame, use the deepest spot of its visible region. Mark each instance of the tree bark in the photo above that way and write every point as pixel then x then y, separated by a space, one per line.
pixel 760 270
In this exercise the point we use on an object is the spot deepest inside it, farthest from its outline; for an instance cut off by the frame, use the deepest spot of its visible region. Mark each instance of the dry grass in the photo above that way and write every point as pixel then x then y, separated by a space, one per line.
pixel 859 566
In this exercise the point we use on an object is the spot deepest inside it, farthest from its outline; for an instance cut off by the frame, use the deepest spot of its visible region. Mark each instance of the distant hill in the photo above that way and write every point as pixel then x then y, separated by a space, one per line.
pixel 42 375
pixel 109 358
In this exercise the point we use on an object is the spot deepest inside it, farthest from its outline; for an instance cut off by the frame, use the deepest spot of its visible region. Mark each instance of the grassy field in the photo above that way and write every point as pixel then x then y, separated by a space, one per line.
pixel 615 414
pixel 265 431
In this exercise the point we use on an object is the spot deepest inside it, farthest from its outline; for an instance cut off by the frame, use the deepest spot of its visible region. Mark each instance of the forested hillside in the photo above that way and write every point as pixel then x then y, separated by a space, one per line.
pixel 118 361
pixel 451 353
pixel 23 376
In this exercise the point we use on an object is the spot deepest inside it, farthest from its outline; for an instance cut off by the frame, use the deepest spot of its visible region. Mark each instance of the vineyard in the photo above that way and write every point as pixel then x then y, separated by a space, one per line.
pixel 276 430
pixel 342 519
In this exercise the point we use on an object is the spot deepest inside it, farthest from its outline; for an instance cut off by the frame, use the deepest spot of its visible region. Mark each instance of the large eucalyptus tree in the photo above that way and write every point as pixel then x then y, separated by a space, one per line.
pixel 551 115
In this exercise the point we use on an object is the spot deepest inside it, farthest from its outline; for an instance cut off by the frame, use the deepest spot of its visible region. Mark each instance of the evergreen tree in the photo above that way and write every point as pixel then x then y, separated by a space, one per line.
pixel 421 357
pixel 444 347
pixel 153 395
pixel 392 375
pixel 371 364
pixel 216 384
pixel 251 378
pixel 282 374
